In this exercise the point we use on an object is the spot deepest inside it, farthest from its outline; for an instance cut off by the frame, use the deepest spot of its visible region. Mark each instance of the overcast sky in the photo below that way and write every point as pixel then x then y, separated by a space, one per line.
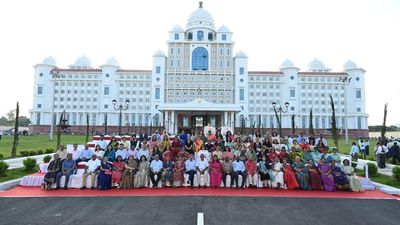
pixel 364 31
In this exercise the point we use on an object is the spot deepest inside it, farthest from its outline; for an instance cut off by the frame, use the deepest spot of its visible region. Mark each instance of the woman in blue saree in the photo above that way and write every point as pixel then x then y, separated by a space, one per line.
pixel 341 181
pixel 301 174
pixel 104 177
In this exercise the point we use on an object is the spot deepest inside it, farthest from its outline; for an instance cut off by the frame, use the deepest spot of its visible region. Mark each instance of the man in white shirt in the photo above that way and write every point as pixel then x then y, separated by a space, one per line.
pixel 204 152
pixel 190 169
pixel 127 144
pixel 92 168
pixel 202 171
pixel 102 143
pixel 361 143
pixel 121 152
pixel 144 152
pixel 76 153
pixel 380 153
pixel 155 169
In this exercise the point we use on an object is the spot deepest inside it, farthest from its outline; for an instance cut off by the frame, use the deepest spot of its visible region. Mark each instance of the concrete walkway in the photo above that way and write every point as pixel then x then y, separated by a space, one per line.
pixel 18 162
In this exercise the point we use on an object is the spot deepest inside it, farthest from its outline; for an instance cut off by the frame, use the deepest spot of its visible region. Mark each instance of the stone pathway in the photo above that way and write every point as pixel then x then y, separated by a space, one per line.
pixel 18 162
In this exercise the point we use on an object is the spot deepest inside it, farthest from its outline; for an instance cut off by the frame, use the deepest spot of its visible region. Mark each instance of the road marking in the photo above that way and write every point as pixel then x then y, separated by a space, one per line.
pixel 200 218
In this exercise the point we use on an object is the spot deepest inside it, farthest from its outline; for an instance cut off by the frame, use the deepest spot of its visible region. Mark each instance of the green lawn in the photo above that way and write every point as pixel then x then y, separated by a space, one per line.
pixel 390 181
pixel 37 142
pixel 16 173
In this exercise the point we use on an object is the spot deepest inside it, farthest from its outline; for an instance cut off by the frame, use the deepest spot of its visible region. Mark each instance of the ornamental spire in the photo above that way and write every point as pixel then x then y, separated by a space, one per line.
pixel 200 4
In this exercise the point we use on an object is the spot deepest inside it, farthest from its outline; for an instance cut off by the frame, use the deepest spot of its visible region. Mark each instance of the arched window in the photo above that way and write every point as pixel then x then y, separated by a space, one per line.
pixel 200 59
pixel 200 35
pixel 210 36
pixel 190 36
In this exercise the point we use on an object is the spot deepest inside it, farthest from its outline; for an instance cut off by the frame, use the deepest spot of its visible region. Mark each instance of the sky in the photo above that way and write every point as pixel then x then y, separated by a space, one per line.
pixel 268 31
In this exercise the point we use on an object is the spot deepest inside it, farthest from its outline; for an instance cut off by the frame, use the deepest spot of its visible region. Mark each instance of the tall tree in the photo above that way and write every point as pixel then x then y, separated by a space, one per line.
pixel 60 123
pixel 16 137
pixel 383 131
pixel 311 127
pixel 334 129
pixel 87 128
pixel 105 123
pixel 293 125
pixel 11 117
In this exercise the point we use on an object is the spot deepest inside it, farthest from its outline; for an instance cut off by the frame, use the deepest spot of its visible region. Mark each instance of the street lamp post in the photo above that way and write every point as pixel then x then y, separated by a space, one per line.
pixel 280 110
pixel 120 107
pixel 345 81
pixel 55 74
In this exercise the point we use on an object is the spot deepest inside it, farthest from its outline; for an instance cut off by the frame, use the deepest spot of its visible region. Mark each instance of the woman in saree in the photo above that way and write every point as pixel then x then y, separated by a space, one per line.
pixel 263 171
pixel 156 151
pixel 335 156
pixel 228 153
pixel 129 173
pixel 165 141
pixel 354 183
pixel 342 184
pixel 215 172
pixel 167 172
pixel 167 153
pixel 189 147
pixel 118 167
pixel 113 142
pixel 52 169
pixel 301 174
pixel 316 156
pixel 307 154
pixel 276 174
pixel 197 144
pixel 314 175
pixel 104 177
pixel 327 178
pixel 289 176
pixel 179 170
pixel 142 175
pixel 110 153
pixel 272 155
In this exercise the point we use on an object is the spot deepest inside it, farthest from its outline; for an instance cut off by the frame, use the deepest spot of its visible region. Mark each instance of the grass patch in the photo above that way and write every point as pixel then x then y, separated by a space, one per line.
pixel 17 173
pixel 36 142
pixel 390 181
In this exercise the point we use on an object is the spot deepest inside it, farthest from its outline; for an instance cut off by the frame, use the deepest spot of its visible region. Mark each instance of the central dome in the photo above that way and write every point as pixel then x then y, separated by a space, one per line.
pixel 200 18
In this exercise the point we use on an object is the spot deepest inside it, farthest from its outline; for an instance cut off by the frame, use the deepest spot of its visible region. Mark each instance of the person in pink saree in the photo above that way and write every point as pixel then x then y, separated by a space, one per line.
pixel 215 172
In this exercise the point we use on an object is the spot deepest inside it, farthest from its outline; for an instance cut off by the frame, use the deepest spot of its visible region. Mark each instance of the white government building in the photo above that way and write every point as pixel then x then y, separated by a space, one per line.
pixel 200 81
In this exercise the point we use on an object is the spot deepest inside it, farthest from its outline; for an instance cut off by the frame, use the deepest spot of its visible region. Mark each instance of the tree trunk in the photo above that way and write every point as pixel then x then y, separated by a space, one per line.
pixel 87 128
pixel 334 129
pixel 59 130
pixel 105 124
pixel 16 137
pixel 293 125
pixel 383 132
pixel 311 127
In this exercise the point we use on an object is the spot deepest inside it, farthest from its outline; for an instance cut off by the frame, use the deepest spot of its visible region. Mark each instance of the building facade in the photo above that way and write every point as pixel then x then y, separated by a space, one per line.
pixel 198 82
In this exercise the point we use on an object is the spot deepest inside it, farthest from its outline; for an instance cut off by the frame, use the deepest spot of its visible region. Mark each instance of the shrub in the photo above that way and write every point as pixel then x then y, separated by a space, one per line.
pixel 29 164
pixel 40 152
pixel 372 169
pixel 49 150
pixel 396 173
pixel 24 153
pixel 3 168
pixel 1 156
pixel 46 159
pixel 371 158
pixel 31 153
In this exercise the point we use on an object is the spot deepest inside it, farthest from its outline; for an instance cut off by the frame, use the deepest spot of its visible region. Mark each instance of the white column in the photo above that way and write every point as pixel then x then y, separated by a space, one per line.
pixel 232 120
pixel 225 119
pixel 166 120
pixel 172 128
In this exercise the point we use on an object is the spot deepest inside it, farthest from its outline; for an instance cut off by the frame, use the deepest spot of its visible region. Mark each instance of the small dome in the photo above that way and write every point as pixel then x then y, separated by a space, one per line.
pixel 177 29
pixel 240 54
pixel 200 17
pixel 50 61
pixel 83 61
pixel 287 64
pixel 158 53
pixel 316 65
pixel 223 29
pixel 112 62
pixel 350 65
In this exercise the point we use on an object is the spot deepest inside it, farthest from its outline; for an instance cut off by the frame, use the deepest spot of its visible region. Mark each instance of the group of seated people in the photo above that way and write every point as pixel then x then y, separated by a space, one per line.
pixel 207 160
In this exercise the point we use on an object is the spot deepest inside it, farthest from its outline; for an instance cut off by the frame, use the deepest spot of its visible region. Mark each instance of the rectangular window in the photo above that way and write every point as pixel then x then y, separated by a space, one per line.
pixel 172 51
pixel 241 94
pixel 224 37
pixel 359 122
pixel 39 106
pixel 176 36
pixel 106 90
pixel 293 93
pixel 358 94
pixel 241 70
pixel 40 90
pixel 158 69
pixel 157 93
